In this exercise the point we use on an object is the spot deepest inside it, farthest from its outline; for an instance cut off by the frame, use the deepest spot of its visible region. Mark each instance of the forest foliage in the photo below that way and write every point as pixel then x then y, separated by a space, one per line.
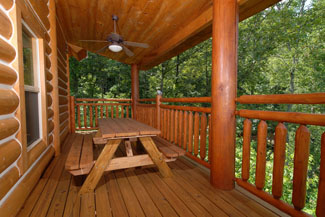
pixel 280 50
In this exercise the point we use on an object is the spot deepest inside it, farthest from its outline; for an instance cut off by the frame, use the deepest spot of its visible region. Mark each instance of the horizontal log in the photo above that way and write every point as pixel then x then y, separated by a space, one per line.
pixel 63 92
pixel 50 126
pixel 198 160
pixel 35 152
pixel 47 62
pixel 9 152
pixel 63 76
pixel 49 87
pixel 8 127
pixel 147 105
pixel 8 101
pixel 48 49
pixel 8 180
pixel 49 75
pixel 147 100
pixel 64 125
pixel 290 210
pixel 49 100
pixel 7 75
pixel 62 84
pixel 7 52
pixel 63 100
pixel 5 25
pixel 64 117
pixel 187 108
pixel 188 99
pixel 103 104
pixel 64 135
pixel 47 37
pixel 309 98
pixel 7 4
pixel 104 100
pixel 290 117
pixel 63 109
pixel 50 113
pixel 12 205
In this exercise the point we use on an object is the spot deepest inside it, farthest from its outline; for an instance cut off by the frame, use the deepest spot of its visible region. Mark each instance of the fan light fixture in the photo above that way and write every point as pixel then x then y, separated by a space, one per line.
pixel 115 47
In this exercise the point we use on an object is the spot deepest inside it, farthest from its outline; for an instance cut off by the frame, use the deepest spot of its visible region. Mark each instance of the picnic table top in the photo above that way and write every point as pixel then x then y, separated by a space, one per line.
pixel 125 127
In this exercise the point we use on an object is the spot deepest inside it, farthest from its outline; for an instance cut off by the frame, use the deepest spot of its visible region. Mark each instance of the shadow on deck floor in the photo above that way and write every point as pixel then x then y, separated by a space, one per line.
pixel 138 192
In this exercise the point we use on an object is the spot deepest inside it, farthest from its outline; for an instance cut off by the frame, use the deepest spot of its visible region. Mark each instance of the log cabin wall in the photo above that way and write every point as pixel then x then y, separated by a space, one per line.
pixel 20 165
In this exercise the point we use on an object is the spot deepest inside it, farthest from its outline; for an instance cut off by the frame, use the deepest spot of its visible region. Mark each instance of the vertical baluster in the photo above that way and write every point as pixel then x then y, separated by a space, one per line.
pixel 247 134
pixel 127 112
pixel 302 141
pixel 91 116
pixel 261 155
pixel 196 133
pixel 176 127
pixel 117 112
pixel 122 111
pixel 101 112
pixel 112 111
pixel 85 116
pixel 203 136
pixel 190 132
pixel 172 125
pixel 78 113
pixel 185 128
pixel 210 140
pixel 96 116
pixel 165 122
pixel 168 125
pixel 106 114
pixel 320 209
pixel 279 159
pixel 180 128
pixel 162 122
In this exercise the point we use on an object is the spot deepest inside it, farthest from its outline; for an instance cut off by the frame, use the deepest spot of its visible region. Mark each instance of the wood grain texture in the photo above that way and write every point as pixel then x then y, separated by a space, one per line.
pixel 308 98
pixel 203 136
pixel 301 156
pixel 8 180
pixel 7 52
pixel 9 152
pixel 247 134
pixel 8 127
pixel 7 75
pixel 7 4
pixel 280 140
pixel 5 25
pixel 261 155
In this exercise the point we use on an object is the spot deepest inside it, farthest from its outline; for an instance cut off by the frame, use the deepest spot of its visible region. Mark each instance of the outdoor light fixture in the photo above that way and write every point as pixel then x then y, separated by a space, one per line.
pixel 115 47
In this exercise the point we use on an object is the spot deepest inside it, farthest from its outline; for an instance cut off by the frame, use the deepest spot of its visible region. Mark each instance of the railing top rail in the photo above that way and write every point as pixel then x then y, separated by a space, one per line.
pixel 188 99
pixel 103 104
pixel 96 100
pixel 187 108
pixel 308 98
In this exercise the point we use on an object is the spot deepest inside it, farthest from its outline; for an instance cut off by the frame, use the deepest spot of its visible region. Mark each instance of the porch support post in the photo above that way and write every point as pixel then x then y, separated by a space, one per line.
pixel 55 81
pixel 134 88
pixel 224 85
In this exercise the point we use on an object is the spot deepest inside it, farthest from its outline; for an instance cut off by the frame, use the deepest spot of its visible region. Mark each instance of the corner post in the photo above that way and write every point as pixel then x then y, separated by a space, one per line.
pixel 55 84
pixel 134 88
pixel 223 92
pixel 158 97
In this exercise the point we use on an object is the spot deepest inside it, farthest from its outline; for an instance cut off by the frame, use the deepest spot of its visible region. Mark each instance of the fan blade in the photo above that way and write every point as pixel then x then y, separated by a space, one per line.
pixel 135 44
pixel 102 49
pixel 93 41
pixel 127 51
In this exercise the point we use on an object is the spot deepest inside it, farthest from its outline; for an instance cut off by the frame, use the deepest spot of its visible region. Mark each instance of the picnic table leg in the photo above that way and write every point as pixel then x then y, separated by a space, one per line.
pixel 100 166
pixel 156 156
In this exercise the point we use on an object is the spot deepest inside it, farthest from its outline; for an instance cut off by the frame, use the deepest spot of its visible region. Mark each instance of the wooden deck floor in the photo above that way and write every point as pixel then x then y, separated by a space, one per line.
pixel 138 192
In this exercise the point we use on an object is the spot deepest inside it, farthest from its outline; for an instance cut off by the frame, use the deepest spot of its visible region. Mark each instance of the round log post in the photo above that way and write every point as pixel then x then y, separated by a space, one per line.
pixel 134 88
pixel 223 92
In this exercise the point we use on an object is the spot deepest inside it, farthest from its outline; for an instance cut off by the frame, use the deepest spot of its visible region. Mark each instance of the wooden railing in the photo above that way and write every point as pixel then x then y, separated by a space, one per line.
pixel 301 154
pixel 86 112
pixel 185 126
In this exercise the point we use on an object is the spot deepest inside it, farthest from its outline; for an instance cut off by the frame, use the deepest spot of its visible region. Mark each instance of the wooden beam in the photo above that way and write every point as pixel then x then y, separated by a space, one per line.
pixel 223 93
pixel 55 82
pixel 134 87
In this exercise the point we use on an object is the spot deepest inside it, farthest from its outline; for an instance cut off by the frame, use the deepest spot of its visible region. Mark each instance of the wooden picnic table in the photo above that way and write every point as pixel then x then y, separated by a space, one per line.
pixel 114 131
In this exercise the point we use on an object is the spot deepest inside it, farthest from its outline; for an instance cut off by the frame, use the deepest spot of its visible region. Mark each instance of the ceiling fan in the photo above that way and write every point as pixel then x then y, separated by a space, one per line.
pixel 116 43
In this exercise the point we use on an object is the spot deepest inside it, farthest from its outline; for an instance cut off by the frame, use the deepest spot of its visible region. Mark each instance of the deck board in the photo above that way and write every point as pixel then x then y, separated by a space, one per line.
pixel 141 192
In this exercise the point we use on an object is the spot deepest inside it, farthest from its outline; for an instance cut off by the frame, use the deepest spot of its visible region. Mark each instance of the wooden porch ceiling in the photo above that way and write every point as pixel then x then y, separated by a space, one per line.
pixel 169 27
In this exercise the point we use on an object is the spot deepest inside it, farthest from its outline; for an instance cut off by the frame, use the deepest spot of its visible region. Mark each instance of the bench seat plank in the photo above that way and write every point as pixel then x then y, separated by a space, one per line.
pixel 87 155
pixel 73 159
